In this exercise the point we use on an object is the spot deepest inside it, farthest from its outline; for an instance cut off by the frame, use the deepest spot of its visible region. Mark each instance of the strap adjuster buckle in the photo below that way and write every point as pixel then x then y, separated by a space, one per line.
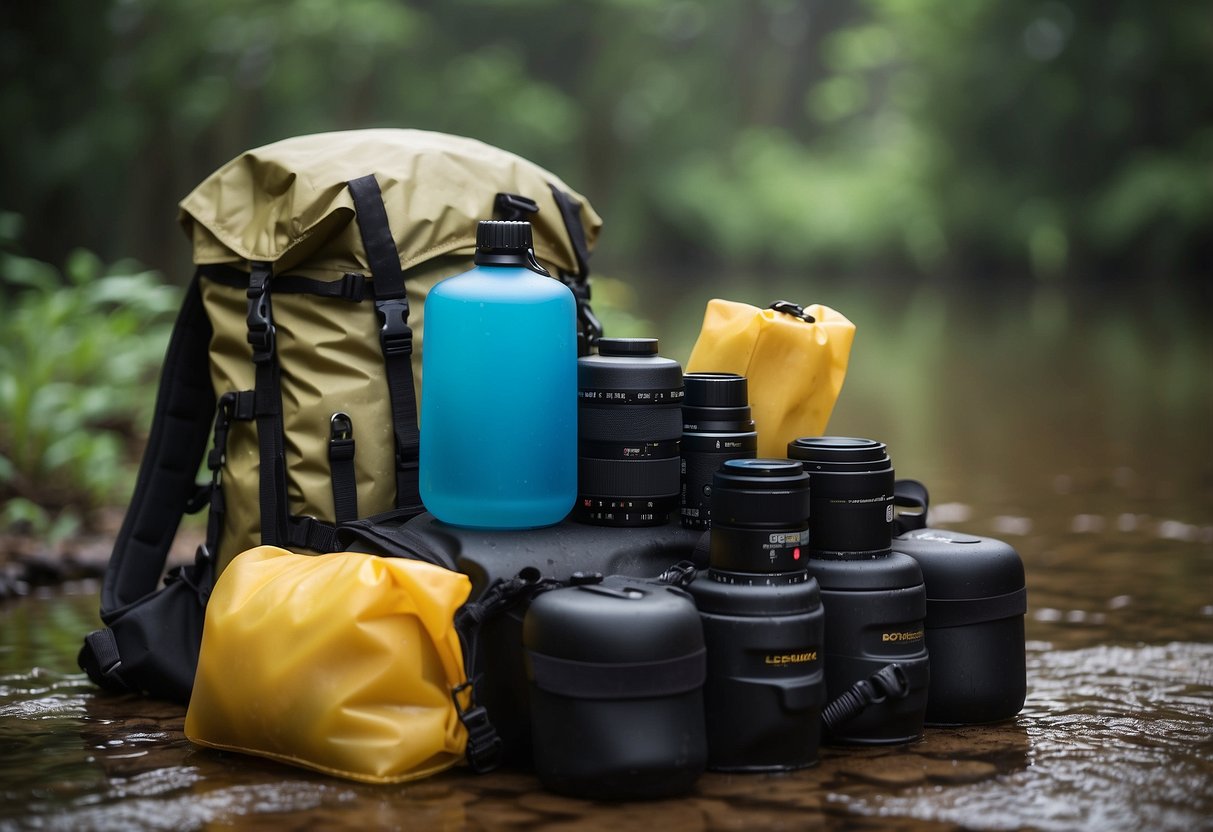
pixel 395 334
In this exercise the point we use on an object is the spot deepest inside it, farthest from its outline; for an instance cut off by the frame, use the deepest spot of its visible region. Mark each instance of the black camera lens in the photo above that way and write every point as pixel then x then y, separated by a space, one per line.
pixel 629 423
pixel 760 519
pixel 716 426
pixel 874 598
pixel 762 621
pixel 852 483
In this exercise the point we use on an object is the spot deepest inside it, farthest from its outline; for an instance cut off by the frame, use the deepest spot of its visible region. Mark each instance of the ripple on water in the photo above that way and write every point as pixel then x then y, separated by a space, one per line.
pixel 1120 737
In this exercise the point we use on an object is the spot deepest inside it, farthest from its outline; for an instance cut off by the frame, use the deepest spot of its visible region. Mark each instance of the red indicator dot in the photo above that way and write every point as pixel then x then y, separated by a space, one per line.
pixel 796 553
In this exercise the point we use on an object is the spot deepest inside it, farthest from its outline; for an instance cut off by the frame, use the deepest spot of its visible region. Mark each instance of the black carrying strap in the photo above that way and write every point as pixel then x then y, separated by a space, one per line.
pixel 151 639
pixel 395 335
pixel 589 328
pixel 484 745
pixel 267 407
pixel 341 468
pixel 181 426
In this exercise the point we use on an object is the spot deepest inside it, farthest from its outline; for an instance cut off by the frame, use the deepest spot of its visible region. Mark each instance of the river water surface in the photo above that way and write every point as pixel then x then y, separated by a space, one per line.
pixel 1080 434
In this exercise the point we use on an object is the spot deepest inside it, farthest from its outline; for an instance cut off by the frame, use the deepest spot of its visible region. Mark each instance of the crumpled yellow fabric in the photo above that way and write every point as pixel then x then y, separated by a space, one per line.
pixel 344 663
pixel 794 368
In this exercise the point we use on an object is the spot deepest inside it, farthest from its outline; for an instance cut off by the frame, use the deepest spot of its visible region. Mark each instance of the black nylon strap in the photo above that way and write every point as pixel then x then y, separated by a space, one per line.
pixel 341 468
pixel 618 680
pixel 395 336
pixel 267 406
pixel 310 533
pixel 945 612
pixel 381 254
pixel 589 328
pixel 180 429
pixel 484 745
pixel 351 286
pixel 103 652
pixel 215 460
pixel 570 212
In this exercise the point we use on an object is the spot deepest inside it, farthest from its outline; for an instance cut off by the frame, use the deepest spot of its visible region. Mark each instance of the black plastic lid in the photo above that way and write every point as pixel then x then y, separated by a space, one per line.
pixel 506 243
pixel 961 566
pixel 627 346
pixel 891 571
pixel 502 236
pixel 840 453
pixel 630 364
pixel 621 620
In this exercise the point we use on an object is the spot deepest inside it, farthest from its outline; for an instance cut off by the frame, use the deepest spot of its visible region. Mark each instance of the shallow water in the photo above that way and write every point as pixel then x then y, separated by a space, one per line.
pixel 1087 445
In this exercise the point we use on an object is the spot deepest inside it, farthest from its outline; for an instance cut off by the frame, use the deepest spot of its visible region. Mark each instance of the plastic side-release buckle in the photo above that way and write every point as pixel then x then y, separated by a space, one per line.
pixel 483 750
pixel 261 331
pixel 395 335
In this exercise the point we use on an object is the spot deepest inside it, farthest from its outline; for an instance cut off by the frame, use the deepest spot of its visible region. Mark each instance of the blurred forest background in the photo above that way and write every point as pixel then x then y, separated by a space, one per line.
pixel 880 156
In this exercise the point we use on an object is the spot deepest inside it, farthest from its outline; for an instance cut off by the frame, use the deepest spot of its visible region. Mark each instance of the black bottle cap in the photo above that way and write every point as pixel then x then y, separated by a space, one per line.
pixel 506 243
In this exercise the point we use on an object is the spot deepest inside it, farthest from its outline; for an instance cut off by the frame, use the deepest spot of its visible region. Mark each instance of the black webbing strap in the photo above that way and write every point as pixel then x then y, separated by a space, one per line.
pixel 267 406
pixel 589 328
pixel 484 744
pixel 395 336
pixel 304 532
pixel 180 429
pixel 233 406
pixel 351 287
pixel 341 467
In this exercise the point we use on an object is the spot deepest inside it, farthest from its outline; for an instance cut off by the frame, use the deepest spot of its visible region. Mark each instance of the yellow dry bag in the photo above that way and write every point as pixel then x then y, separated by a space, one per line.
pixel 344 663
pixel 794 358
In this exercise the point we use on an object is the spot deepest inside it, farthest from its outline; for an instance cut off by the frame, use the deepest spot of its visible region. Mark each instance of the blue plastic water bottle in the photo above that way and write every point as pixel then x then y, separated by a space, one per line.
pixel 499 390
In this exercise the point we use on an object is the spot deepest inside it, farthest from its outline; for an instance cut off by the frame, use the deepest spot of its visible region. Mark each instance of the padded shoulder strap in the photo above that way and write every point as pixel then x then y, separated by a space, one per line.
pixel 185 405
pixel 589 328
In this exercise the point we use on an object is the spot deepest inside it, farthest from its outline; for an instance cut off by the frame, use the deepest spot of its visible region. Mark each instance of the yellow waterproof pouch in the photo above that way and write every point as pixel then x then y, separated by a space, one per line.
pixel 794 358
pixel 343 663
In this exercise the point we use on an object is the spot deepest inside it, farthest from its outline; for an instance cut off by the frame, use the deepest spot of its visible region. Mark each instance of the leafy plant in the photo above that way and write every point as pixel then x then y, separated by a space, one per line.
pixel 78 358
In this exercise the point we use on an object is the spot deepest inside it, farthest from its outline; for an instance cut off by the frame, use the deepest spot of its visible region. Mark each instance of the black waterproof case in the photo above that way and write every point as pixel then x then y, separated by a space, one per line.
pixel 616 672
pixel 976 601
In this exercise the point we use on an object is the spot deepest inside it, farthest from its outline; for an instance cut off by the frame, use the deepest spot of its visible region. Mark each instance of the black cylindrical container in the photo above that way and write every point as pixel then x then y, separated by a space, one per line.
pixel 874 611
pixel 874 599
pixel 629 431
pixel 852 511
pixel 716 425
pixel 976 601
pixel 616 672
pixel 762 621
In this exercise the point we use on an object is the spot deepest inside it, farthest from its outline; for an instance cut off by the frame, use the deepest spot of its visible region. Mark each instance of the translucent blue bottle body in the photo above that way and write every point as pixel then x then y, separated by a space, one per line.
pixel 499 400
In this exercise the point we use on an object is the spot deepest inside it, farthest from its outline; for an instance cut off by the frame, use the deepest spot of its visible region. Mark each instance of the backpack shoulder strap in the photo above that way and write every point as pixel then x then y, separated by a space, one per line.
pixel 395 334
pixel 181 424
pixel 589 328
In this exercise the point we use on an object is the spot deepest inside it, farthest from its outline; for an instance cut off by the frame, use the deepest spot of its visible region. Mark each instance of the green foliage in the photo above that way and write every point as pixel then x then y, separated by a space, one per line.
pixel 77 365
pixel 1058 139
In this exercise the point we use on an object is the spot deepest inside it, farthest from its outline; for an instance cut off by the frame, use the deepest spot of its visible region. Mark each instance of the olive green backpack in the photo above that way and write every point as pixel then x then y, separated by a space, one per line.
pixel 291 367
